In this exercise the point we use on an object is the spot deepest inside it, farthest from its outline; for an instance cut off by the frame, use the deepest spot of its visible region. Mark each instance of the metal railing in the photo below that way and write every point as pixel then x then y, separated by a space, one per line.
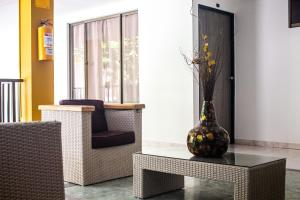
pixel 10 100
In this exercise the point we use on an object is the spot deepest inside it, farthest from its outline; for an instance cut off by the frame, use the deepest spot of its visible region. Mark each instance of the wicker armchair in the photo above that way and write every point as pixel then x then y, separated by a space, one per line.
pixel 84 165
pixel 31 161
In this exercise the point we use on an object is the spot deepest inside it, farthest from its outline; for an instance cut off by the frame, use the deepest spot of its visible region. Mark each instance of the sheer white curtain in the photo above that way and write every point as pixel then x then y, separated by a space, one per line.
pixel 101 75
pixel 130 58
pixel 78 62
pixel 103 57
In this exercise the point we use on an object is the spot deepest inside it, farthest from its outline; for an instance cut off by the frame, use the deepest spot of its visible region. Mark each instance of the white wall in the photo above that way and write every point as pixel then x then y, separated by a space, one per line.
pixel 266 69
pixel 267 73
pixel 267 66
pixel 9 39
pixel 166 86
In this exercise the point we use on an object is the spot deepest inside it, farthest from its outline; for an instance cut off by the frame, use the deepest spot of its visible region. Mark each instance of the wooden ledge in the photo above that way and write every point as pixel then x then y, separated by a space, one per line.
pixel 68 108
pixel 125 106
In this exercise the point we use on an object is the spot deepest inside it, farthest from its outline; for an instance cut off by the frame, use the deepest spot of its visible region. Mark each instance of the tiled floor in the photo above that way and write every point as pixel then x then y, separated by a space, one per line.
pixel 121 189
pixel 195 189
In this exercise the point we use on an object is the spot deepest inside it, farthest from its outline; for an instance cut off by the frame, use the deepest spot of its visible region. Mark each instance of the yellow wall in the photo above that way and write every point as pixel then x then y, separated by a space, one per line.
pixel 38 86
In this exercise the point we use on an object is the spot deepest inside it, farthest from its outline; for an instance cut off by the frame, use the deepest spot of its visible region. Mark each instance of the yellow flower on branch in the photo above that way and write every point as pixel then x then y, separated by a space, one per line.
pixel 209 55
pixel 204 37
pixel 211 63
pixel 209 70
pixel 205 47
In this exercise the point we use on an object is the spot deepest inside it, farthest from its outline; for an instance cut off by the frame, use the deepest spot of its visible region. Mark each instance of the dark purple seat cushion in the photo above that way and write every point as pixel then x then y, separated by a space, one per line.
pixel 112 138
pixel 99 122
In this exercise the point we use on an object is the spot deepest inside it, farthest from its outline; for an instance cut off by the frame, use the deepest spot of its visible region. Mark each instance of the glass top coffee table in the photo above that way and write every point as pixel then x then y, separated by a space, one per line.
pixel 254 177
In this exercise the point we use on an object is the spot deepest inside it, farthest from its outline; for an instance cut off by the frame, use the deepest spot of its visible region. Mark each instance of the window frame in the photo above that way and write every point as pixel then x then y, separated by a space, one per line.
pixel 71 55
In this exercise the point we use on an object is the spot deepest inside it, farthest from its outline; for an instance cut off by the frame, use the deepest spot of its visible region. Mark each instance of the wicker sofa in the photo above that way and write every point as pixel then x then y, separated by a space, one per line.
pixel 84 165
pixel 31 161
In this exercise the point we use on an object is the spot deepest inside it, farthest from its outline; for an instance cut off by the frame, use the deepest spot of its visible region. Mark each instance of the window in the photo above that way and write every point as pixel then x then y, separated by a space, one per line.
pixel 104 59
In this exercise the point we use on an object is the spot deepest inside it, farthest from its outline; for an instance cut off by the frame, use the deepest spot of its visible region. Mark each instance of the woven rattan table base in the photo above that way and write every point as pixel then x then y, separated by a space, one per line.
pixel 154 175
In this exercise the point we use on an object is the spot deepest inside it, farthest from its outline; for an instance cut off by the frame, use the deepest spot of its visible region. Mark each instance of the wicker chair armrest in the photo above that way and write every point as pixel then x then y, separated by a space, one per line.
pixel 76 141
pixel 76 128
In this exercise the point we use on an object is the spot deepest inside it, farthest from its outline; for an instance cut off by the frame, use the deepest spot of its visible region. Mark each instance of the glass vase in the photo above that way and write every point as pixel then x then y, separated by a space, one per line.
pixel 208 139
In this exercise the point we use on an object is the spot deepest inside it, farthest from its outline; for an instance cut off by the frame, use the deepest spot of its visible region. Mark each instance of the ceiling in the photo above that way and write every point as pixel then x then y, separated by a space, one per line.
pixel 7 2
pixel 63 6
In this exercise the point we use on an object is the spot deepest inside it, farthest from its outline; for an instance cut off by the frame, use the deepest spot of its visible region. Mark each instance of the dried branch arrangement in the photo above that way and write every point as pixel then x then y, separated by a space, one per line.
pixel 206 65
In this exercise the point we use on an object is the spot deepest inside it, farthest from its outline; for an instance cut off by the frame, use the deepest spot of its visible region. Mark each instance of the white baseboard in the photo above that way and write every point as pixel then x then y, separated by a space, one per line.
pixel 155 143
pixel 267 144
